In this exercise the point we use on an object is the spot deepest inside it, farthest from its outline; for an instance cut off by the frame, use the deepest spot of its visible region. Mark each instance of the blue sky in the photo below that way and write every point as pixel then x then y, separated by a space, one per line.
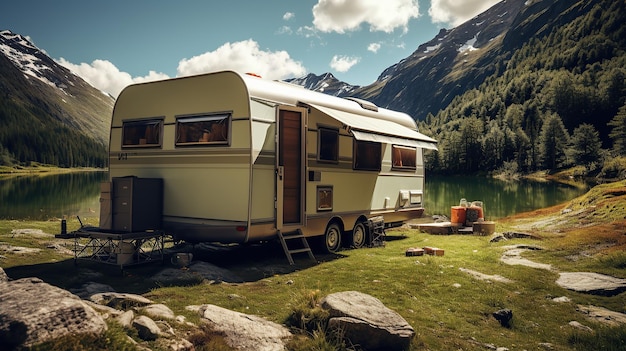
pixel 119 42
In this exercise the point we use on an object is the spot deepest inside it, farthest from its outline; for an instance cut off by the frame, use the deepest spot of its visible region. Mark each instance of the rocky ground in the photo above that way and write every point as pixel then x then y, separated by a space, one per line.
pixel 26 319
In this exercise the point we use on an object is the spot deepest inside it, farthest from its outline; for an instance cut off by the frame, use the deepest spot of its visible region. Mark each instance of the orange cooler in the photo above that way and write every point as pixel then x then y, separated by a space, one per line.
pixel 458 214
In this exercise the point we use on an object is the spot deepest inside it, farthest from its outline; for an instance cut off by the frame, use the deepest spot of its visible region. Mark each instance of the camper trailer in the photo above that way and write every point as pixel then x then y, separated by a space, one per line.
pixel 239 159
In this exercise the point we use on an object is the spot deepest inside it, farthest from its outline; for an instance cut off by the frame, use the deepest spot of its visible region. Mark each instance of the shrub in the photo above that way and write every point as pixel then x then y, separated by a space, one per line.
pixel 614 168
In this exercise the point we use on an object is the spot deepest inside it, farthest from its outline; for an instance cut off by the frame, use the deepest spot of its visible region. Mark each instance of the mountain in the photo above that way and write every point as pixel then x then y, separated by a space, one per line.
pixel 440 69
pixel 452 62
pixel 325 83
pixel 48 114
pixel 546 94
pixel 527 84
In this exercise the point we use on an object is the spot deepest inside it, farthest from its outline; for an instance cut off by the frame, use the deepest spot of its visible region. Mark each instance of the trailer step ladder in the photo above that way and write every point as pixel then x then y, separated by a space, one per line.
pixel 288 251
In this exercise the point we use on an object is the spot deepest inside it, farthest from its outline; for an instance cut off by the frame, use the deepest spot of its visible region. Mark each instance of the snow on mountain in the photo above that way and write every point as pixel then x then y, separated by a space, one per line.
pixel 27 58
pixel 41 84
pixel 325 83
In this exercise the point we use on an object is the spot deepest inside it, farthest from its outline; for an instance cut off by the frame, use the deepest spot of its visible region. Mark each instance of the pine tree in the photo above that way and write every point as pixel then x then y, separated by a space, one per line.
pixel 586 144
pixel 618 133
pixel 553 141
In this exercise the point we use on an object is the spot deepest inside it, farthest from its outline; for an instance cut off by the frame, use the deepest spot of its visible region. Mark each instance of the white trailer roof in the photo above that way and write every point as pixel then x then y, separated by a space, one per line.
pixel 368 123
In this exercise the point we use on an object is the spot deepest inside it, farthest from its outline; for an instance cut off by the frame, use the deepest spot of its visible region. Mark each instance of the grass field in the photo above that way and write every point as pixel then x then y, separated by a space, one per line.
pixel 448 308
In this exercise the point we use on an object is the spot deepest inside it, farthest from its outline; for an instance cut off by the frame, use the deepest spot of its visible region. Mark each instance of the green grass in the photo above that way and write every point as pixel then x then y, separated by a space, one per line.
pixel 448 308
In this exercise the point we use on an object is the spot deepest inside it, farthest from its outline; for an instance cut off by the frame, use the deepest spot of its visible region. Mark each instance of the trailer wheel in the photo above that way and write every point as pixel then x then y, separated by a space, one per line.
pixel 332 238
pixel 359 235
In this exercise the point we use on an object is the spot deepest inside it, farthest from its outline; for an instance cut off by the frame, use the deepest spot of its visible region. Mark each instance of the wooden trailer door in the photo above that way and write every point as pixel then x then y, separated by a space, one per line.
pixel 290 167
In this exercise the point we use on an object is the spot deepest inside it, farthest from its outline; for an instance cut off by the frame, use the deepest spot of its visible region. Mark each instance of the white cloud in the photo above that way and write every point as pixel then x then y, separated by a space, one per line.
pixel 243 56
pixel 342 63
pixel 284 30
pixel 308 32
pixel 103 75
pixel 288 15
pixel 373 47
pixel 456 12
pixel 342 15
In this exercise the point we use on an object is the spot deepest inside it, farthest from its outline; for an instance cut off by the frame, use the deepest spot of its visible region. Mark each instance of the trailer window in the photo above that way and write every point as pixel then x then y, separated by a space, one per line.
pixel 144 133
pixel 367 155
pixel 328 144
pixel 403 157
pixel 202 130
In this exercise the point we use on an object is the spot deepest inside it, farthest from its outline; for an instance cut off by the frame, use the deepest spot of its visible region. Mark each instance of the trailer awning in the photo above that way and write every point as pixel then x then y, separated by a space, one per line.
pixel 379 138
pixel 366 128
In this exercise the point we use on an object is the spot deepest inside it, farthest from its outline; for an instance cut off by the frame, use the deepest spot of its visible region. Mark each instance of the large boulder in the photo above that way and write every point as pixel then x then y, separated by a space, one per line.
pixel 366 322
pixel 147 329
pixel 33 312
pixel 243 331
pixel 592 283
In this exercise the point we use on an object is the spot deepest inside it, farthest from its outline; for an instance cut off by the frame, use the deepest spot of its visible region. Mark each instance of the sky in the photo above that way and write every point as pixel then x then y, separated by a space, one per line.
pixel 112 44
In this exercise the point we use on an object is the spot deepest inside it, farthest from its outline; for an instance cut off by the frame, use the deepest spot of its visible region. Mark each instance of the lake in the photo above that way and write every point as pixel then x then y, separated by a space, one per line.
pixel 500 198
pixel 42 197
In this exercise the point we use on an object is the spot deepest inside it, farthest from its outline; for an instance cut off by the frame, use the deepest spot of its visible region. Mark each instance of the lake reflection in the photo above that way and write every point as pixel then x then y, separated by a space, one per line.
pixel 500 198
pixel 42 197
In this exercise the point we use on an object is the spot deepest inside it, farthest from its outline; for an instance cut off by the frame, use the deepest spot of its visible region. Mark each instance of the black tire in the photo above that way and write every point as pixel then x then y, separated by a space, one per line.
pixel 332 238
pixel 360 235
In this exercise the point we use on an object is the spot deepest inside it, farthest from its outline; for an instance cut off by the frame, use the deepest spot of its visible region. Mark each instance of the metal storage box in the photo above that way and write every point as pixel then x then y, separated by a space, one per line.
pixel 137 204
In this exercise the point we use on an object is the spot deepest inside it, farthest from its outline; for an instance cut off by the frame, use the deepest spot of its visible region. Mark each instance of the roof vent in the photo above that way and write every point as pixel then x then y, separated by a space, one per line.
pixel 366 105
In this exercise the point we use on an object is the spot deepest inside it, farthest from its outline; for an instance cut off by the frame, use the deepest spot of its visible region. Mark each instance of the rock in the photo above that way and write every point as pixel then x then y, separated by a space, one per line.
pixel 120 300
pixel 33 233
pixel 579 326
pixel 366 322
pixel 159 311
pixel 504 316
pixel 18 249
pixel 91 288
pixel 243 331
pixel 59 248
pixel 146 328
pixel 561 299
pixel 166 328
pixel 126 319
pixel 482 276
pixel 496 237
pixel 603 315
pixel 33 312
pixel 3 276
pixel 517 235
pixel 513 256
pixel 180 345
pixel 592 283
pixel 104 311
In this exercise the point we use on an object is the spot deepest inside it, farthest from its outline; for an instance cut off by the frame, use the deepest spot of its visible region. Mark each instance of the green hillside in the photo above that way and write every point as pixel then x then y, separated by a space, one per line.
pixel 65 123
pixel 556 102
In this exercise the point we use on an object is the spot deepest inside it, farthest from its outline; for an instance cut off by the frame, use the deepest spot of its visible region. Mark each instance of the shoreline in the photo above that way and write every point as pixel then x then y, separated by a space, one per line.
pixel 6 171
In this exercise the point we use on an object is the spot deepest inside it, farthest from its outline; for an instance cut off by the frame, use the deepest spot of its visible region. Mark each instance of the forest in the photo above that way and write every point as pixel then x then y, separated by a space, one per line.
pixel 559 101
pixel 33 140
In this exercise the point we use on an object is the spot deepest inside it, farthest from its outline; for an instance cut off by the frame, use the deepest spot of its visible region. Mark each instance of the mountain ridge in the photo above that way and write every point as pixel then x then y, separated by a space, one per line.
pixel 49 115
pixel 502 66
